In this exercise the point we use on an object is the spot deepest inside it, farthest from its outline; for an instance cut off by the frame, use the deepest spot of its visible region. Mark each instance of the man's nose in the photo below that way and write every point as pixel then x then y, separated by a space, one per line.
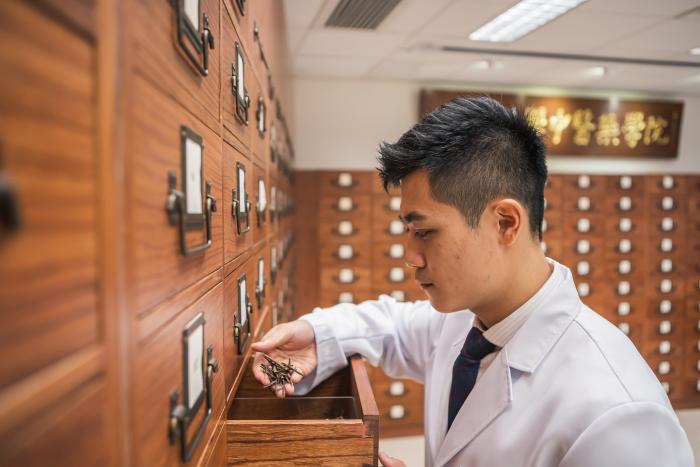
pixel 413 257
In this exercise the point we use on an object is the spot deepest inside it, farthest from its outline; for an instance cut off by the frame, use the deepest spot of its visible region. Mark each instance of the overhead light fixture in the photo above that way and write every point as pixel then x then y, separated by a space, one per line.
pixel 482 64
pixel 597 71
pixel 522 18
pixel 695 51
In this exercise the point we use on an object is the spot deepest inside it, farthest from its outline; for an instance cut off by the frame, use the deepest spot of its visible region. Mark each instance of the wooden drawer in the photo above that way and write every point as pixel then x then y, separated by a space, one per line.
pixel 157 266
pixel 356 208
pixel 335 424
pixel 48 260
pixel 349 230
pixel 346 254
pixel 553 223
pixel 239 231
pixel 158 372
pixel 633 186
pixel 632 308
pixel 345 183
pixel 671 184
pixel 238 106
pixel 622 204
pixel 156 51
pixel 239 321
pixel 636 226
pixel 239 12
pixel 666 204
pixel 346 278
pixel 345 295
pixel 583 224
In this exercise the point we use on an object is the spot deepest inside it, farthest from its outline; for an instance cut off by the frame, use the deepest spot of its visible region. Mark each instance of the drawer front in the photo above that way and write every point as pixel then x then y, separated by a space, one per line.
pixel 346 254
pixel 240 319
pixel 237 96
pixel 666 184
pixel 239 224
pixel 346 278
pixel 633 186
pixel 157 266
pixel 48 259
pixel 260 112
pixel 345 183
pixel 356 208
pixel 158 54
pixel 345 295
pixel 347 230
pixel 158 370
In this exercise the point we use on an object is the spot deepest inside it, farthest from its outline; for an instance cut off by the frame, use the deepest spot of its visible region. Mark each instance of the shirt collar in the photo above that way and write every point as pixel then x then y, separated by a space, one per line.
pixel 500 333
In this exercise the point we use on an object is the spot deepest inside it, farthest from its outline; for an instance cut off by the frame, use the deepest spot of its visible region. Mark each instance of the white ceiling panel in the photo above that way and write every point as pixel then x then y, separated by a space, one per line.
pixel 350 67
pixel 294 38
pixel 666 8
pixel 349 43
pixel 411 15
pixel 672 36
pixel 582 32
pixel 462 17
pixel 301 13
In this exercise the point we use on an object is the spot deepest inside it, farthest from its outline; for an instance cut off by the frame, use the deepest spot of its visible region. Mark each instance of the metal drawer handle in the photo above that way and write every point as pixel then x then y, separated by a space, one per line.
pixel 179 421
pixel 202 43
pixel 256 37
pixel 175 207
pixel 10 219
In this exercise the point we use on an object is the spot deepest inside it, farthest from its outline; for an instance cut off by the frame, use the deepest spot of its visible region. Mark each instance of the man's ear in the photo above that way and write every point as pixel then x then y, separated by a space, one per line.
pixel 511 219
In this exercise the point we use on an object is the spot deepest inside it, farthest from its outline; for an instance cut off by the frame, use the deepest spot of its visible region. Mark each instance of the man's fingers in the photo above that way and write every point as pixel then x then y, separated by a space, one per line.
pixel 289 389
pixel 276 337
pixel 388 461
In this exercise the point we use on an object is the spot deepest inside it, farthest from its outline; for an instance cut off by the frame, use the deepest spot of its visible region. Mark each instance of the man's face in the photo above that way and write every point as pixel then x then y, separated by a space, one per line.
pixel 455 265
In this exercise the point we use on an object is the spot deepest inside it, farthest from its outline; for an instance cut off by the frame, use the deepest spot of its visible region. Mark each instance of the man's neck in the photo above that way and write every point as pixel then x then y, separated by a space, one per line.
pixel 524 283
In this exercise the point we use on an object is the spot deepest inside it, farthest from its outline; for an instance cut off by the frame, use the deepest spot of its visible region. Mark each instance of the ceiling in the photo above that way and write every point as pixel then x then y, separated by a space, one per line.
pixel 408 45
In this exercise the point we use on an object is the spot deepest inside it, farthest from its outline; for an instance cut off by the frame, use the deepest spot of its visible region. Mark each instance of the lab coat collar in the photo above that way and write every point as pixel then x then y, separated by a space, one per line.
pixel 542 330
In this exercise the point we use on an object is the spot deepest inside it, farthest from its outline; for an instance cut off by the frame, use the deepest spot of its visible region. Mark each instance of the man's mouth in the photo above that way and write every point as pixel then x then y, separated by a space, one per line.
pixel 424 285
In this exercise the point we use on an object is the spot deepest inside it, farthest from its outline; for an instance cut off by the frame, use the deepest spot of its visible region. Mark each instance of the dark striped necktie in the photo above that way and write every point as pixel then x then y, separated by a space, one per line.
pixel 465 369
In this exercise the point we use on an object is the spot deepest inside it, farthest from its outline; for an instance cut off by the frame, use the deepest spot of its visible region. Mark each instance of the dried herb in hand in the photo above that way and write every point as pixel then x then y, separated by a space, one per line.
pixel 278 373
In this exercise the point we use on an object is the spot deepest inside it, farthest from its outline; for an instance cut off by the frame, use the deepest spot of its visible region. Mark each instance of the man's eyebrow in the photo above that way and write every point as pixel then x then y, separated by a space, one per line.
pixel 412 216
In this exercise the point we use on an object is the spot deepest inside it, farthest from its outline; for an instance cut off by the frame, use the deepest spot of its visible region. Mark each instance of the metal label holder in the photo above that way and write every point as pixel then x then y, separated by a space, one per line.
pixel 201 42
pixel 242 216
pixel 242 331
pixel 180 416
pixel 240 94
pixel 176 204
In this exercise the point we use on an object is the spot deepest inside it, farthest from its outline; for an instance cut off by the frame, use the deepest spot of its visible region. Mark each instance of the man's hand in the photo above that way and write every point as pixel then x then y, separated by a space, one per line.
pixel 293 341
pixel 388 461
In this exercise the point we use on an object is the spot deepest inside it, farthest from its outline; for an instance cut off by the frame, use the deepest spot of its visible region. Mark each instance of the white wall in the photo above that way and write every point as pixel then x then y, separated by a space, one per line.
pixel 340 123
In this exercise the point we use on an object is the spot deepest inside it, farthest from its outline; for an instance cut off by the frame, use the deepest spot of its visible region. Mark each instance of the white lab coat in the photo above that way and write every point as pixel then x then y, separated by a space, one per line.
pixel 569 389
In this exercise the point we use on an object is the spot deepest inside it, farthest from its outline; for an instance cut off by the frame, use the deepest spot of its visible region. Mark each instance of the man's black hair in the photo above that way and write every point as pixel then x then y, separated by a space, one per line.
pixel 474 150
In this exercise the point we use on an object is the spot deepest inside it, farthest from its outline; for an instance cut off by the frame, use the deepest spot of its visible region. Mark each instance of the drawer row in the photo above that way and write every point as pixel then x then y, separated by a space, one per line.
pixel 196 54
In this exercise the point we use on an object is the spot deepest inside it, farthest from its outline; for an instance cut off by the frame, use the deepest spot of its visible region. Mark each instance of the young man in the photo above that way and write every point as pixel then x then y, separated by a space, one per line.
pixel 517 370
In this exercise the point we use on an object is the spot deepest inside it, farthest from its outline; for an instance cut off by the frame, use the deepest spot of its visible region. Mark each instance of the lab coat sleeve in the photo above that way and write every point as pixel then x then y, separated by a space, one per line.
pixel 398 336
pixel 635 434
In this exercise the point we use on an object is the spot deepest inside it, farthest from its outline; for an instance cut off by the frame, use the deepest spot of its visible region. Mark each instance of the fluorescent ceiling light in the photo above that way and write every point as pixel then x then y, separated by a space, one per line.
pixel 522 18
pixel 695 51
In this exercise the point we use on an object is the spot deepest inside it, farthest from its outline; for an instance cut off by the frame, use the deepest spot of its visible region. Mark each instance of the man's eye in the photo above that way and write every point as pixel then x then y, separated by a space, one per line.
pixel 423 233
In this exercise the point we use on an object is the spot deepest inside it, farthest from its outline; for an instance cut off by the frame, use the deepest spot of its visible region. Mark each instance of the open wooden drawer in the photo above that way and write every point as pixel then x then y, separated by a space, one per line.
pixel 335 424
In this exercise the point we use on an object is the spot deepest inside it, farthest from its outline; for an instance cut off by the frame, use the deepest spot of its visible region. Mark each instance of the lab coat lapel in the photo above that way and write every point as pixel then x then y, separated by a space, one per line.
pixel 491 395
pixel 458 325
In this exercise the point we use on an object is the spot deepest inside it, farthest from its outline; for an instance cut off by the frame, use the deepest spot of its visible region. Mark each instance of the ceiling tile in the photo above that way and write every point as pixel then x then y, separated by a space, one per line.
pixel 666 8
pixel 411 15
pixel 349 43
pixel 332 66
pixel 300 14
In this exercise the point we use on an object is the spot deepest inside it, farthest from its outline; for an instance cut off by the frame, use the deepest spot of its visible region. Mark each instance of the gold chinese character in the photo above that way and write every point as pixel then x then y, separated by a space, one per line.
pixel 632 128
pixel 582 123
pixel 608 130
pixel 537 117
pixel 558 123
pixel 654 131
